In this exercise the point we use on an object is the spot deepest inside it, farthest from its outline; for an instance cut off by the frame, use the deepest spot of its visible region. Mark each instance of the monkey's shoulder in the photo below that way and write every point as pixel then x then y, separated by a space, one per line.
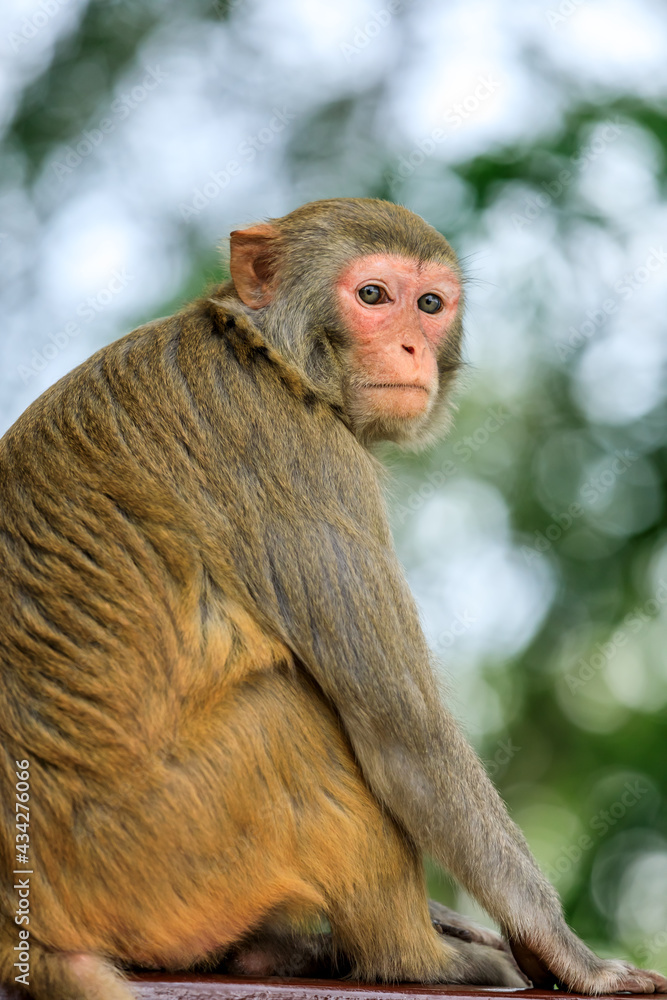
pixel 195 398
pixel 208 360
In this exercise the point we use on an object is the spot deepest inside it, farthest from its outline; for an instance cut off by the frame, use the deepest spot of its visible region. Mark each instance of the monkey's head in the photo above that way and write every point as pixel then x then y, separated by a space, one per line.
pixel 366 299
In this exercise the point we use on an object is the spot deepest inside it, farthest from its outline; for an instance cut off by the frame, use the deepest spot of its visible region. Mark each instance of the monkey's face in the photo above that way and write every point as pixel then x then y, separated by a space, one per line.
pixel 396 312
pixel 365 298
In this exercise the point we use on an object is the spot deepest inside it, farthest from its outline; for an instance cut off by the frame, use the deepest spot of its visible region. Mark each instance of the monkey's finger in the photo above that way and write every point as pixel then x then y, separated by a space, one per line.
pixel 643 981
pixel 458 932
pixel 660 982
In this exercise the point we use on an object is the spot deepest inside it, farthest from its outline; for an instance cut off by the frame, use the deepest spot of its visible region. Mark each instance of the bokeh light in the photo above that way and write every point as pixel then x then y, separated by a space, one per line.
pixel 534 135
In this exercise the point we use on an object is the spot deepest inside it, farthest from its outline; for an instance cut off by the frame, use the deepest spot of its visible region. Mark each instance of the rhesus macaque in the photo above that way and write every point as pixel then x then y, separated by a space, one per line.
pixel 212 668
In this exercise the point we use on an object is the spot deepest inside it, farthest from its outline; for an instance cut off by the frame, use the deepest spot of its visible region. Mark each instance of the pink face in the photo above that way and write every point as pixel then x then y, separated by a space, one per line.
pixel 397 312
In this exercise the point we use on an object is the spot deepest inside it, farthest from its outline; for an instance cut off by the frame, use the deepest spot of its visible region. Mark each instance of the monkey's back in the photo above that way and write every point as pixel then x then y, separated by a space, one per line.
pixel 130 495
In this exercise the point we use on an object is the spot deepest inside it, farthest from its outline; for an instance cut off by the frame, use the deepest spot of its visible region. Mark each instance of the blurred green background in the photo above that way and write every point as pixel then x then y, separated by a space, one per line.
pixel 137 134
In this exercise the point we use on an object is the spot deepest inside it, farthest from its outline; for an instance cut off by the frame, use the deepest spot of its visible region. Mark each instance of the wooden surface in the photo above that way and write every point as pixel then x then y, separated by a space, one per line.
pixel 159 986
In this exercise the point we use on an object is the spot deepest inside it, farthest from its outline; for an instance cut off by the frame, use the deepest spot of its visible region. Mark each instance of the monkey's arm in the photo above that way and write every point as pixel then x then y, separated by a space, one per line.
pixel 302 525
pixel 352 622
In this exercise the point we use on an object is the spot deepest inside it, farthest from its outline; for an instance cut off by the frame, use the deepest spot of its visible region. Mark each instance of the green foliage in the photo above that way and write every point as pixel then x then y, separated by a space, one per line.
pixel 571 715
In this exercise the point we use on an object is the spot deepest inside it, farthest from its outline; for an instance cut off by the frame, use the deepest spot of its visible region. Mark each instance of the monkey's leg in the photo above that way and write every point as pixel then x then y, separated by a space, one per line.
pixel 287 952
pixel 385 930
pixel 335 838
pixel 290 953
pixel 59 975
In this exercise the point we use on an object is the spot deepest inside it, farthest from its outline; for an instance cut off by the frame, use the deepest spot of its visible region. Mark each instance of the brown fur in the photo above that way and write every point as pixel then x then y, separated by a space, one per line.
pixel 212 662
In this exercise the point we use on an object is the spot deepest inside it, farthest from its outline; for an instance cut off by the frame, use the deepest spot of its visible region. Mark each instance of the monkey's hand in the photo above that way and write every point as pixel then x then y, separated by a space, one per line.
pixel 591 975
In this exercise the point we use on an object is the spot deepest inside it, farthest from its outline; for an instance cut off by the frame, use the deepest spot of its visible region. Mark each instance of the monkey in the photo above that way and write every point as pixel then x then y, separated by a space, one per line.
pixel 215 684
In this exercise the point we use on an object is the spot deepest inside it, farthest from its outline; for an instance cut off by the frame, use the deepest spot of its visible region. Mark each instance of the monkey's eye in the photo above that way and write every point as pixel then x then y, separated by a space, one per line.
pixel 370 294
pixel 430 303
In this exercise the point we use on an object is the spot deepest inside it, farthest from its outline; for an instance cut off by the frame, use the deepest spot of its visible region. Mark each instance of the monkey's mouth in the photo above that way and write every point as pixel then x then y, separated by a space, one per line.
pixel 396 385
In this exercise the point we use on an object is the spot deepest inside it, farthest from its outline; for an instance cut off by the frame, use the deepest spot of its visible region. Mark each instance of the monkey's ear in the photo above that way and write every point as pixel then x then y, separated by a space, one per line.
pixel 252 263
